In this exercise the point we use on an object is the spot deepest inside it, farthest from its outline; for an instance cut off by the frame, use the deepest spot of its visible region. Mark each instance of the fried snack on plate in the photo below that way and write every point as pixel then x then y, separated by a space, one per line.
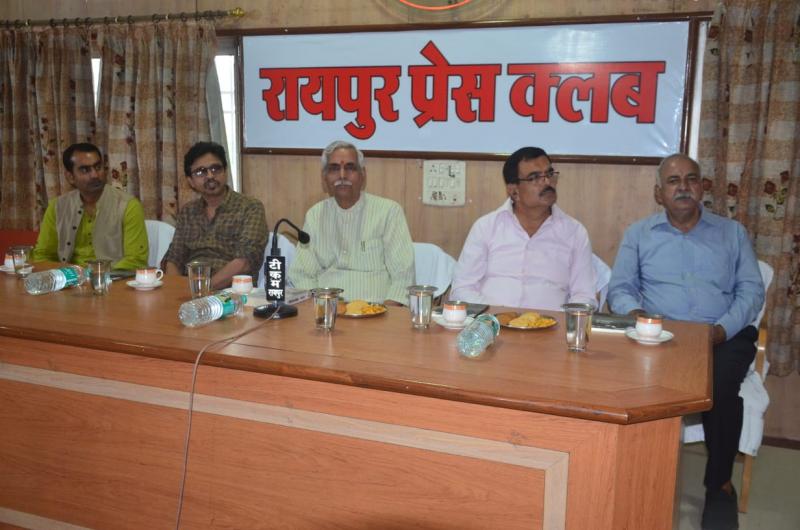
pixel 361 307
pixel 505 318
pixel 355 307
pixel 531 319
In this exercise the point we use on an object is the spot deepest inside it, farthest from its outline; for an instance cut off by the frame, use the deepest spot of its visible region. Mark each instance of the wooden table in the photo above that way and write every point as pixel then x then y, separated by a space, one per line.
pixel 373 426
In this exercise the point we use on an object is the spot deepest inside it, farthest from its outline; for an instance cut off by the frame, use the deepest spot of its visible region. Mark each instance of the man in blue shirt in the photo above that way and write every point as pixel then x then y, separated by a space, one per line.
pixel 688 264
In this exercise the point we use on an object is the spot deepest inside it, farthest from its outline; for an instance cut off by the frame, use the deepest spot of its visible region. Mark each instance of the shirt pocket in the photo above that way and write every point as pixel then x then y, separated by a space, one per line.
pixel 225 236
pixel 716 269
pixel 369 256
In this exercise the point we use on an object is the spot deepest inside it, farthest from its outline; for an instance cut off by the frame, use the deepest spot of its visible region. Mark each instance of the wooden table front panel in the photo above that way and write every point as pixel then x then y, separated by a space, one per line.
pixel 95 439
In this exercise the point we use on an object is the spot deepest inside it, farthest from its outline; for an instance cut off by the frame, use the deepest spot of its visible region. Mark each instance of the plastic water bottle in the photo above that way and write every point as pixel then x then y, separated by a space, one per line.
pixel 477 336
pixel 54 280
pixel 210 308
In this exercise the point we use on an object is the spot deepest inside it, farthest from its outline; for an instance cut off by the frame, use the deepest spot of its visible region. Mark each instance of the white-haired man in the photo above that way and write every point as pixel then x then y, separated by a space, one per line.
pixel 359 242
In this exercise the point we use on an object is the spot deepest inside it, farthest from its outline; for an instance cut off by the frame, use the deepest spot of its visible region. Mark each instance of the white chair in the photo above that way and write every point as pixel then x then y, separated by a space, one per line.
pixel 288 251
pixel 159 236
pixel 602 274
pixel 433 266
pixel 755 398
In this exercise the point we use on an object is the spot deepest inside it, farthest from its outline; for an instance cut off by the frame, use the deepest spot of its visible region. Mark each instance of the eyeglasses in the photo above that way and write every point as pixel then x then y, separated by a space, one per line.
pixel 538 176
pixel 205 171
pixel 336 169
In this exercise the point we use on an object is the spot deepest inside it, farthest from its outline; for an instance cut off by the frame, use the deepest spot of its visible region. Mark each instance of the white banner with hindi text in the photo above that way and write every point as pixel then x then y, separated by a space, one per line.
pixel 584 89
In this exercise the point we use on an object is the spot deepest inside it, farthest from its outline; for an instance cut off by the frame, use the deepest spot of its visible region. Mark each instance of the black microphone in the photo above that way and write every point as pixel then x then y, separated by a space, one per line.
pixel 302 237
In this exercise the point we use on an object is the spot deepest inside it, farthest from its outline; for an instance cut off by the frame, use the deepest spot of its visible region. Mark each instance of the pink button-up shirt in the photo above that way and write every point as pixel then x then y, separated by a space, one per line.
pixel 501 265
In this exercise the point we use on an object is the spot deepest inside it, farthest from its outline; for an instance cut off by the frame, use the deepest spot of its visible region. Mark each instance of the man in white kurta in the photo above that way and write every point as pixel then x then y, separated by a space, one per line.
pixel 359 242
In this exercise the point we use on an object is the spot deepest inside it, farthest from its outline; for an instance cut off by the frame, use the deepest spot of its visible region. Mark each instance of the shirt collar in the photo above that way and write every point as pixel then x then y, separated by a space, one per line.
pixel 556 213
pixel 660 219
pixel 556 216
pixel 357 207
pixel 225 201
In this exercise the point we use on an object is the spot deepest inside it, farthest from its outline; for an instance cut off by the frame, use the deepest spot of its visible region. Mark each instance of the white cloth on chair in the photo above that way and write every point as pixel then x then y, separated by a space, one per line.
pixel 433 266
pixel 602 277
pixel 159 236
pixel 756 401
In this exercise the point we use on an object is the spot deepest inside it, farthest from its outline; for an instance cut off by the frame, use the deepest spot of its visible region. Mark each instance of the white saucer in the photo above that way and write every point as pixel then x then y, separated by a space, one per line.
pixel 664 337
pixel 141 287
pixel 10 270
pixel 439 319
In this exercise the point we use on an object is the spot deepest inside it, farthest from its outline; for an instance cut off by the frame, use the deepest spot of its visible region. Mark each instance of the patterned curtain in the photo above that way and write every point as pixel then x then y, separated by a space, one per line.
pixel 750 147
pixel 46 104
pixel 152 106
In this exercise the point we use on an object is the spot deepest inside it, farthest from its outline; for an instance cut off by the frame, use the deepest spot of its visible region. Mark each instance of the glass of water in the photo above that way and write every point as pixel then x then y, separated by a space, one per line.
pixel 326 300
pixel 420 303
pixel 579 325
pixel 21 254
pixel 199 273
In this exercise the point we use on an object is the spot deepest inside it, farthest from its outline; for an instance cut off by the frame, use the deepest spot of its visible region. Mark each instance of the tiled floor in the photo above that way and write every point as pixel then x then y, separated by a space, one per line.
pixel 774 493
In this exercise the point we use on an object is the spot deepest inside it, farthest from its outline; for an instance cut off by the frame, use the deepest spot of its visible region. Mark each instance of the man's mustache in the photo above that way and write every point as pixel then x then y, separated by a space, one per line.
pixel 548 188
pixel 342 182
pixel 682 195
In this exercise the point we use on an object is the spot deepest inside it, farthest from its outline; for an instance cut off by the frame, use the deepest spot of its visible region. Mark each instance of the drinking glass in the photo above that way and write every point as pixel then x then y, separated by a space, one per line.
pixel 199 273
pixel 579 325
pixel 420 303
pixel 20 254
pixel 325 301
pixel 99 275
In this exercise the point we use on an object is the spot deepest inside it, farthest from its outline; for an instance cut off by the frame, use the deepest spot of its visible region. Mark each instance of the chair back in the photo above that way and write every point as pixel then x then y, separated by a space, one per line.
pixel 433 266
pixel 766 276
pixel 602 274
pixel 159 236
pixel 288 251
pixel 9 238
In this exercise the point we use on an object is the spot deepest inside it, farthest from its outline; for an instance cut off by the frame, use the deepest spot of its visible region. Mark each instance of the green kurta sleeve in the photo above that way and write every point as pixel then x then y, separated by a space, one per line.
pixel 46 248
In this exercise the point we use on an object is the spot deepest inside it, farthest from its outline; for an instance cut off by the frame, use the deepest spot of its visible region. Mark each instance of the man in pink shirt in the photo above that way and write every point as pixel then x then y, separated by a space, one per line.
pixel 528 253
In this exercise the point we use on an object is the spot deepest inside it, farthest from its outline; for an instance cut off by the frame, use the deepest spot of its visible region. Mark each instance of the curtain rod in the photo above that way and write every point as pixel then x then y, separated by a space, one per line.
pixel 235 12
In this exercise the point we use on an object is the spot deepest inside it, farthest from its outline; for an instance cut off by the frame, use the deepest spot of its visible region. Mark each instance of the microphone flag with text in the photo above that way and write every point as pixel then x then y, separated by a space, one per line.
pixel 275 264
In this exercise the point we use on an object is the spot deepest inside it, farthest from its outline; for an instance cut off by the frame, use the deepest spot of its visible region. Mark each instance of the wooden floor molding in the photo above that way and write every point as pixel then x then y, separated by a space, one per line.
pixel 785 443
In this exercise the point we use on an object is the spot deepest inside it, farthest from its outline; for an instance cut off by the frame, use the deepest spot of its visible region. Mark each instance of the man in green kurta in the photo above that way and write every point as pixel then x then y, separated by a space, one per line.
pixel 93 221
pixel 359 242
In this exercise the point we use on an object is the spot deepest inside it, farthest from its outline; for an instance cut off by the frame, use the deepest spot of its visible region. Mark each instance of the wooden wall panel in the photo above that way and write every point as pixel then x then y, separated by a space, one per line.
pixel 605 198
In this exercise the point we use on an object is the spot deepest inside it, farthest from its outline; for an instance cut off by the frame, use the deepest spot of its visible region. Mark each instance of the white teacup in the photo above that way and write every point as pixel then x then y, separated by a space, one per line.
pixel 649 326
pixel 454 312
pixel 242 284
pixel 148 276
pixel 9 261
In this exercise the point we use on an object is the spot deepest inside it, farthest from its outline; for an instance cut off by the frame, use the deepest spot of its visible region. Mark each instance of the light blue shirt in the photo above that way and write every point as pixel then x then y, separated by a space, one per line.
pixel 709 274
